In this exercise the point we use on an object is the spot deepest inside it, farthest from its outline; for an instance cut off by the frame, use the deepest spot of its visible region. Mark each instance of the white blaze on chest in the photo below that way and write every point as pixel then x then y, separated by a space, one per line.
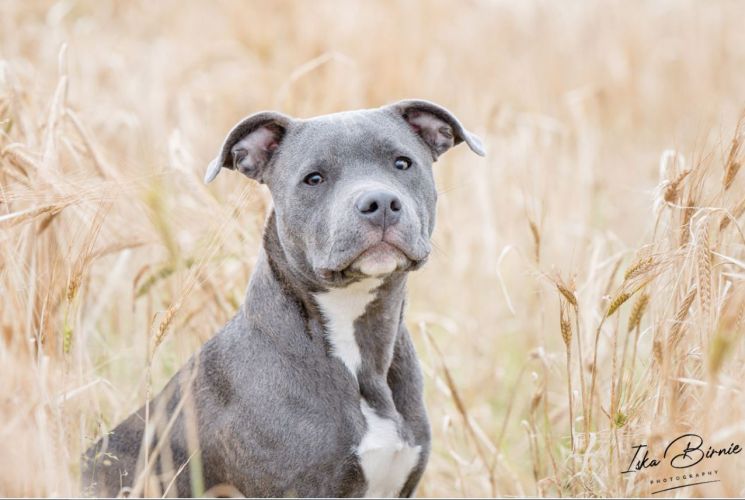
pixel 340 308
pixel 386 460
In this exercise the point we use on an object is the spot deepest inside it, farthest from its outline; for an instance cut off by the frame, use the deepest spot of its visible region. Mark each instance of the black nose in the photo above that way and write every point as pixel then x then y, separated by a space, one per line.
pixel 382 208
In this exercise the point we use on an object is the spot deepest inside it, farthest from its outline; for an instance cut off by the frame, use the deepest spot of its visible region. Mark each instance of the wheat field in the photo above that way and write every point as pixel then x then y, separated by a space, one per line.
pixel 587 289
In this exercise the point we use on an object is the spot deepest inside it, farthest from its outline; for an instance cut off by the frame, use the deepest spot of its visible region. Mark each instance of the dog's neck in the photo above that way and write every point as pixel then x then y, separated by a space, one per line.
pixel 359 323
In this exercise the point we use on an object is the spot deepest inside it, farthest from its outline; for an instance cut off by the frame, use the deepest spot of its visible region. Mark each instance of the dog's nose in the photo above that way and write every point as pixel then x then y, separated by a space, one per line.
pixel 382 208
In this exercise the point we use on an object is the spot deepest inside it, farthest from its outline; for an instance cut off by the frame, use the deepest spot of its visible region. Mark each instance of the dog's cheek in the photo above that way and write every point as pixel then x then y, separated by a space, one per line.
pixel 312 224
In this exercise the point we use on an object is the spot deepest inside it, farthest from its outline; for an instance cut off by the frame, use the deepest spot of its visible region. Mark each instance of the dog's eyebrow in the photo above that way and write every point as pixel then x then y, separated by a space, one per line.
pixel 389 146
pixel 315 164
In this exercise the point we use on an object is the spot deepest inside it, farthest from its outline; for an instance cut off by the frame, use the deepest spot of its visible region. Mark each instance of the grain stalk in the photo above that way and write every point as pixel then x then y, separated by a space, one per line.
pixel 733 163
pixel 463 412
pixel 565 327
pixel 567 291
pixel 634 326
pixel 630 277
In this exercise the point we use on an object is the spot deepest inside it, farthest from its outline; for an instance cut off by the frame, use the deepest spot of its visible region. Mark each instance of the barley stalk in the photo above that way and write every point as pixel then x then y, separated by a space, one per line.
pixel 463 411
pixel 681 314
pixel 567 291
pixel 736 214
pixel 165 322
pixel 671 191
pixel 568 294
pixel 566 335
pixel 729 329
pixel 613 404
pixel 638 268
pixel 635 317
pixel 617 302
pixel 614 305
pixel 580 363
pixel 637 311
pixel 536 239
pixel 686 220
pixel 657 352
pixel 566 330
pixel 29 214
pixel 732 165
pixel 704 270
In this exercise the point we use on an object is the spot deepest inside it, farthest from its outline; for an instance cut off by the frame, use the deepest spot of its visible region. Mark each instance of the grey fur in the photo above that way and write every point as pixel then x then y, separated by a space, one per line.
pixel 273 412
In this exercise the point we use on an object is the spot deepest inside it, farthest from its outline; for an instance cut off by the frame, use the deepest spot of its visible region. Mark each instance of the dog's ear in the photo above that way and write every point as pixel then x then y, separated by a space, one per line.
pixel 437 126
pixel 250 145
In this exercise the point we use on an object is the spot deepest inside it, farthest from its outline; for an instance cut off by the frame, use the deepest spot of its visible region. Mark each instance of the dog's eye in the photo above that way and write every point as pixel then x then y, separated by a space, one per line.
pixel 402 163
pixel 313 179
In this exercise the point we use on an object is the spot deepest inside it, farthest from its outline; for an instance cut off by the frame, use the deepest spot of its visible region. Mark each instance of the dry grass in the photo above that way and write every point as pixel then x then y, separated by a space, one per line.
pixel 614 133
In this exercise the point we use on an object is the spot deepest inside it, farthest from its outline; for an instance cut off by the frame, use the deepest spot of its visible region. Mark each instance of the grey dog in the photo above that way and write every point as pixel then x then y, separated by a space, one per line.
pixel 313 388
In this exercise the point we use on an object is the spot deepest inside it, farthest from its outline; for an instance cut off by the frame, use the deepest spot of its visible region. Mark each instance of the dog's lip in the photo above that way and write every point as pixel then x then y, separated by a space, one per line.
pixel 329 274
pixel 381 246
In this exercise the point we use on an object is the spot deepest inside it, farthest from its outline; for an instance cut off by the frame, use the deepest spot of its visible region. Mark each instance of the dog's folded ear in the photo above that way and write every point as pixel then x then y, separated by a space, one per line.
pixel 250 145
pixel 437 126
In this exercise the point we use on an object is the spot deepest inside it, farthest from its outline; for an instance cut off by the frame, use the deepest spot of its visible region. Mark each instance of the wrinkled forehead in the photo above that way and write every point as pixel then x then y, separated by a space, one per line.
pixel 353 135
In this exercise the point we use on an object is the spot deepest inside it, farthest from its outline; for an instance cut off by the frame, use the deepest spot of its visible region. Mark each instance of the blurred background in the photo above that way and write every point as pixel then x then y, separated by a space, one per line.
pixel 117 262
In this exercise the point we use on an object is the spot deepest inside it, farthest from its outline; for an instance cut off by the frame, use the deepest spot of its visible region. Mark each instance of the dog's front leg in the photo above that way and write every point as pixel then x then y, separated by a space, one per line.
pixel 405 381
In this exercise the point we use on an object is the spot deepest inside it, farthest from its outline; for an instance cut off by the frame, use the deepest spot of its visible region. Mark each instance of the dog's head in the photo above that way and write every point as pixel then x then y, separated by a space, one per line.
pixel 353 192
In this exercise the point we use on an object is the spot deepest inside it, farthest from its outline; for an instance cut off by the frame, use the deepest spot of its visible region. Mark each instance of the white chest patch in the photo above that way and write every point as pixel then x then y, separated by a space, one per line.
pixel 385 458
pixel 340 308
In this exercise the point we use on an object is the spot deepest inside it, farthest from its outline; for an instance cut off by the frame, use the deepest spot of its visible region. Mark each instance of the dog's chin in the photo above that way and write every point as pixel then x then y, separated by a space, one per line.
pixel 380 260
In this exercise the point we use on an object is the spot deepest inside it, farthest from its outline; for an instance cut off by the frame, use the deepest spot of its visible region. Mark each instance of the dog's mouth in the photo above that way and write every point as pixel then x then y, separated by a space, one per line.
pixel 377 260
pixel 380 259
